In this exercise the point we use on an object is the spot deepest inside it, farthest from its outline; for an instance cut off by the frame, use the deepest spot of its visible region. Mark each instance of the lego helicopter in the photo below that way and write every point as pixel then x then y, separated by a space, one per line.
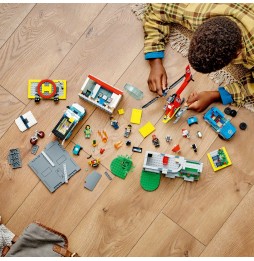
pixel 174 102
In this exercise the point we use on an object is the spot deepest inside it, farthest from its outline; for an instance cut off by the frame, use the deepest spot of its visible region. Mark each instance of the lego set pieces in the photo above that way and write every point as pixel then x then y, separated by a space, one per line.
pixel 107 175
pixel 14 158
pixel 25 121
pixel 136 116
pixel 34 149
pixel 100 94
pixel 121 166
pixel 150 181
pixel 49 166
pixel 219 159
pixel 134 91
pixel 147 129
pixel 91 180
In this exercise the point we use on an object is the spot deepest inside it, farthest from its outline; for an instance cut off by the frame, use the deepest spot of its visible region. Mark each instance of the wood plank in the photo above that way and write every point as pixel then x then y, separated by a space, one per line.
pixel 203 208
pixel 164 238
pixel 11 15
pixel 74 67
pixel 10 108
pixel 40 43
pixel 235 238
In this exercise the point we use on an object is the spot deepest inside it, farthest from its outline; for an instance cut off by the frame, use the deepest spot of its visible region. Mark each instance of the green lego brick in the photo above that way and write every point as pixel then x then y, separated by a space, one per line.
pixel 150 181
pixel 121 166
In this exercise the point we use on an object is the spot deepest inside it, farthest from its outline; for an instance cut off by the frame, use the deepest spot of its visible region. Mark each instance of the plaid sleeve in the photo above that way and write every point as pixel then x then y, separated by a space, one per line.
pixel 243 91
pixel 155 29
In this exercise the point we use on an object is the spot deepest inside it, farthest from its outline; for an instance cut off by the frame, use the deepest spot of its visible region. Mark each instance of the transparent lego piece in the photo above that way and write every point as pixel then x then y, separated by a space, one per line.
pixel 133 91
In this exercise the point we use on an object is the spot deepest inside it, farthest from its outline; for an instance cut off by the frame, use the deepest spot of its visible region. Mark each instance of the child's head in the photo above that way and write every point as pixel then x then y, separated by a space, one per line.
pixel 214 44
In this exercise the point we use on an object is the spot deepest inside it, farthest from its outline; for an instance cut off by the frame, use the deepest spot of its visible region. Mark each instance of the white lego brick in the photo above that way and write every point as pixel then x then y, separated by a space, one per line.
pixel 95 91
pixel 28 118
pixel 115 100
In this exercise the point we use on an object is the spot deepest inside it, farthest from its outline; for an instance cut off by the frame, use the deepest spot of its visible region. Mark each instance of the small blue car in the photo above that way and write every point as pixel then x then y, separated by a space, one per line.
pixel 219 123
pixel 192 120
pixel 77 148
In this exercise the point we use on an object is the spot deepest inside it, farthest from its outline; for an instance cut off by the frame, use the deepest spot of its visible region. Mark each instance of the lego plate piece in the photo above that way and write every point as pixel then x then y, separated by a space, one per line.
pixel 49 166
pixel 100 94
pixel 136 116
pixel 14 158
pixel 219 159
pixel 91 180
pixel 147 129
pixel 121 166
pixel 150 181
pixel 25 121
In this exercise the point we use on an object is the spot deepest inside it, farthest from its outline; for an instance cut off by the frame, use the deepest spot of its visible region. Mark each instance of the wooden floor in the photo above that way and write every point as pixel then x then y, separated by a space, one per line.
pixel 211 217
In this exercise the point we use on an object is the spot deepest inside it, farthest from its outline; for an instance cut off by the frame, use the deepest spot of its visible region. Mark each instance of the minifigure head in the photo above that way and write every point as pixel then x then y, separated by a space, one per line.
pixel 215 44
pixel 87 127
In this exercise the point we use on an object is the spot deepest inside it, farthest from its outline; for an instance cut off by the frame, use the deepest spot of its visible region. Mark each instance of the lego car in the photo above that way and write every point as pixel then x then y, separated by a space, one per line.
pixel 192 120
pixel 77 148
pixel 219 123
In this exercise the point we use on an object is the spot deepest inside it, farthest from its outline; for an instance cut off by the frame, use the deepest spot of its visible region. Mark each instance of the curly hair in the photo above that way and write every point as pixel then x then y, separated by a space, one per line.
pixel 214 44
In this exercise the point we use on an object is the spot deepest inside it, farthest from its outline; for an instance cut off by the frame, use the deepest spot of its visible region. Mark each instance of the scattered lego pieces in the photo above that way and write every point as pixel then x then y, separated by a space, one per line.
pixel 127 131
pixel 103 135
pixel 118 144
pixel 150 181
pixel 65 173
pixel 133 91
pixel 147 129
pixel 114 123
pixel 34 149
pixel 180 113
pixel 185 133
pixel 89 157
pixel 107 175
pixel 243 126
pixel 121 111
pixel 100 94
pixel 128 143
pixel 91 180
pixel 155 141
pixel 137 149
pixel 233 113
pixel 102 151
pixel 25 121
pixel 121 166
pixel 94 143
pixel 199 134
pixel 76 149
pixel 227 110
pixel 87 132
pixel 14 158
pixel 168 138
pixel 219 159
pixel 136 116
pixel 194 147
pixel 36 136
pixel 94 163
pixel 192 120
pixel 176 148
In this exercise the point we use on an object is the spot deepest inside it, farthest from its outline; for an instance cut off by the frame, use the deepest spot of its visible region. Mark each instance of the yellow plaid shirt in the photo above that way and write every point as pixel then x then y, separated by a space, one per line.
pixel 156 23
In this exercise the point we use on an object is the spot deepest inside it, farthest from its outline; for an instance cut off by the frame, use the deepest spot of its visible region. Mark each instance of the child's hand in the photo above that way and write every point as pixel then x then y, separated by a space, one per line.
pixel 157 80
pixel 200 101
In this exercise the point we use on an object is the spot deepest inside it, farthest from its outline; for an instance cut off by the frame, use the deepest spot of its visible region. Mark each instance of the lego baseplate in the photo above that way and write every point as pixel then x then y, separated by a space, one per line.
pixel 149 181
pixel 121 166
pixel 49 166
pixel 219 159
pixel 46 89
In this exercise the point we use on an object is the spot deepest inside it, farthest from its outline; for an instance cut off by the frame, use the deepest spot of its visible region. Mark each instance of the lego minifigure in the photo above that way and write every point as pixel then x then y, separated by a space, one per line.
pixel 168 138
pixel 185 133
pixel 195 148
pixel 87 132
pixel 127 131
pixel 114 123
pixel 155 141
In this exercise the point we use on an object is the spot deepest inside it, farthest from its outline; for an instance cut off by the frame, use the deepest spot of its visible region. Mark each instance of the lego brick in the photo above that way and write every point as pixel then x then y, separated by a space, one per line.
pixel 34 149
pixel 136 116
pixel 25 121
pixel 91 180
pixel 147 129
pixel 49 166
pixel 14 158
pixel 121 111
pixel 107 175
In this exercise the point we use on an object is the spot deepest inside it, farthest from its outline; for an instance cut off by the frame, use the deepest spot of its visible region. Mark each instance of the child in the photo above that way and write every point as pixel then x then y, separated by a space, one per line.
pixel 223 34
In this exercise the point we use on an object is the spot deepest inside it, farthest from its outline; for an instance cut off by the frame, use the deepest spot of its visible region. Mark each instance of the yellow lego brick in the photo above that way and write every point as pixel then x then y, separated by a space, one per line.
pixel 46 89
pixel 147 129
pixel 213 154
pixel 71 120
pixel 121 111
pixel 136 116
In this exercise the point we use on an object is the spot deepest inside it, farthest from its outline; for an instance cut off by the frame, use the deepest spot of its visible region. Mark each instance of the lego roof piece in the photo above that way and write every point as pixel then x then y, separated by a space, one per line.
pixel 25 121
pixel 121 166
pixel 49 166
pixel 149 181
pixel 91 180
pixel 147 129
pixel 136 116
